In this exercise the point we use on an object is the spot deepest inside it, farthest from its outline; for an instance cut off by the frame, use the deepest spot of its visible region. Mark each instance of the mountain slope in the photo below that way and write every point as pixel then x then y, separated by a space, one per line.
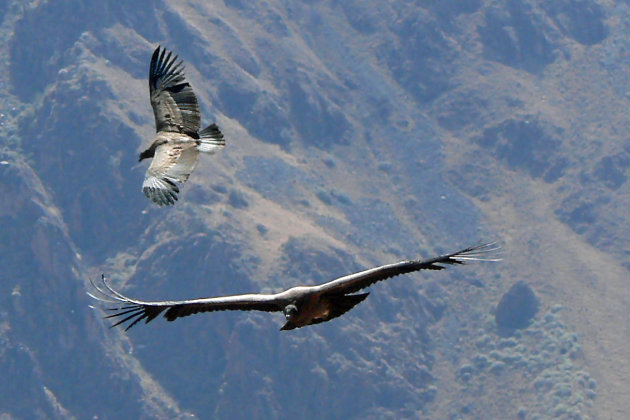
pixel 359 133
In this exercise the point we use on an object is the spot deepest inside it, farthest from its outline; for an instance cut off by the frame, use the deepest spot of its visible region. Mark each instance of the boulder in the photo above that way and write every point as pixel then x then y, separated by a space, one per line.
pixel 517 307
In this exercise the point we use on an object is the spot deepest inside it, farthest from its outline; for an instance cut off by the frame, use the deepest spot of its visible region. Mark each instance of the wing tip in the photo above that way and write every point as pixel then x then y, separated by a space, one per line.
pixel 127 309
pixel 160 195
pixel 164 65
pixel 483 251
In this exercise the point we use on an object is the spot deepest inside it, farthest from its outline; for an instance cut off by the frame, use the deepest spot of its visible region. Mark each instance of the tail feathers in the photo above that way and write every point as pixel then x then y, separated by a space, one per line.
pixel 343 303
pixel 211 139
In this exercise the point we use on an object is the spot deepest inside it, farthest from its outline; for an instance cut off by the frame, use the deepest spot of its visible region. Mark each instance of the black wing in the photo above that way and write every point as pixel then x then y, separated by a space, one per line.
pixel 174 103
pixel 357 281
pixel 134 311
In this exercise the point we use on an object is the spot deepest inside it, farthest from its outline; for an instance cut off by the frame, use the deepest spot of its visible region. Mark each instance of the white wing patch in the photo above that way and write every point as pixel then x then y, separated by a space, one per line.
pixel 172 163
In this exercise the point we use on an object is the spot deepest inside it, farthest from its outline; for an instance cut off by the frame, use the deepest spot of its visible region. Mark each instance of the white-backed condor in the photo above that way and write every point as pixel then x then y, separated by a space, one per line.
pixel 178 141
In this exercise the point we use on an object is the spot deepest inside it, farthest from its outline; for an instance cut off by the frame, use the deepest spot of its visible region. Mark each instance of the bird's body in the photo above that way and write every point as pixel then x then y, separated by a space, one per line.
pixel 302 305
pixel 178 140
pixel 313 306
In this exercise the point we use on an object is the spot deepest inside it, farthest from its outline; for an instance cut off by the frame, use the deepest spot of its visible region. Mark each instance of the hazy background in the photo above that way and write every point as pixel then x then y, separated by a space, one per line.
pixel 359 133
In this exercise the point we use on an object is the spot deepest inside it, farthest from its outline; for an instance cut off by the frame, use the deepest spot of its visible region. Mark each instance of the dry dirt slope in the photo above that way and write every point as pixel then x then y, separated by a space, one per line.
pixel 568 232
pixel 359 133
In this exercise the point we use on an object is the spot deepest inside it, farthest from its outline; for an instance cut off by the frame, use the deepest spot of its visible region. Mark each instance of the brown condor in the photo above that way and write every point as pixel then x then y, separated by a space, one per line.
pixel 301 305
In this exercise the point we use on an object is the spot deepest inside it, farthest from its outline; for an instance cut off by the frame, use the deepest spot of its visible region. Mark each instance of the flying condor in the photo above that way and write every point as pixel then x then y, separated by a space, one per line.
pixel 178 141
pixel 301 305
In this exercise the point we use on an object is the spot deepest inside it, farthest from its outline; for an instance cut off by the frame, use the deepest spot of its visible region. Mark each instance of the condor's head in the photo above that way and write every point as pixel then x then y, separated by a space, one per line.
pixel 149 153
pixel 290 311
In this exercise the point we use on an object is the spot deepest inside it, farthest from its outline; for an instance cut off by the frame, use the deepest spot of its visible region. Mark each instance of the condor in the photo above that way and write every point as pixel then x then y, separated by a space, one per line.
pixel 178 141
pixel 302 305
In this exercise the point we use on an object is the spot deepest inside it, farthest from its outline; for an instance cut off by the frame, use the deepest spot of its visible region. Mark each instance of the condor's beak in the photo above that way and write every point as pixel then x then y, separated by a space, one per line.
pixel 288 326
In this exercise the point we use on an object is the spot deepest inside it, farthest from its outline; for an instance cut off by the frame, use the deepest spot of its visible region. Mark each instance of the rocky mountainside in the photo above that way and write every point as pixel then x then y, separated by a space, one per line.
pixel 359 133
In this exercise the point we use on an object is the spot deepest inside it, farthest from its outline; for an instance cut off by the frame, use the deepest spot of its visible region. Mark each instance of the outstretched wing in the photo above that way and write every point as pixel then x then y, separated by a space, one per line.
pixel 173 162
pixel 174 103
pixel 134 311
pixel 357 281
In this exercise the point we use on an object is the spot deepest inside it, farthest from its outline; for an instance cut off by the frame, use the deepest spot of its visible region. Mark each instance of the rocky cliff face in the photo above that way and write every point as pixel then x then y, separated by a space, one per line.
pixel 359 133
